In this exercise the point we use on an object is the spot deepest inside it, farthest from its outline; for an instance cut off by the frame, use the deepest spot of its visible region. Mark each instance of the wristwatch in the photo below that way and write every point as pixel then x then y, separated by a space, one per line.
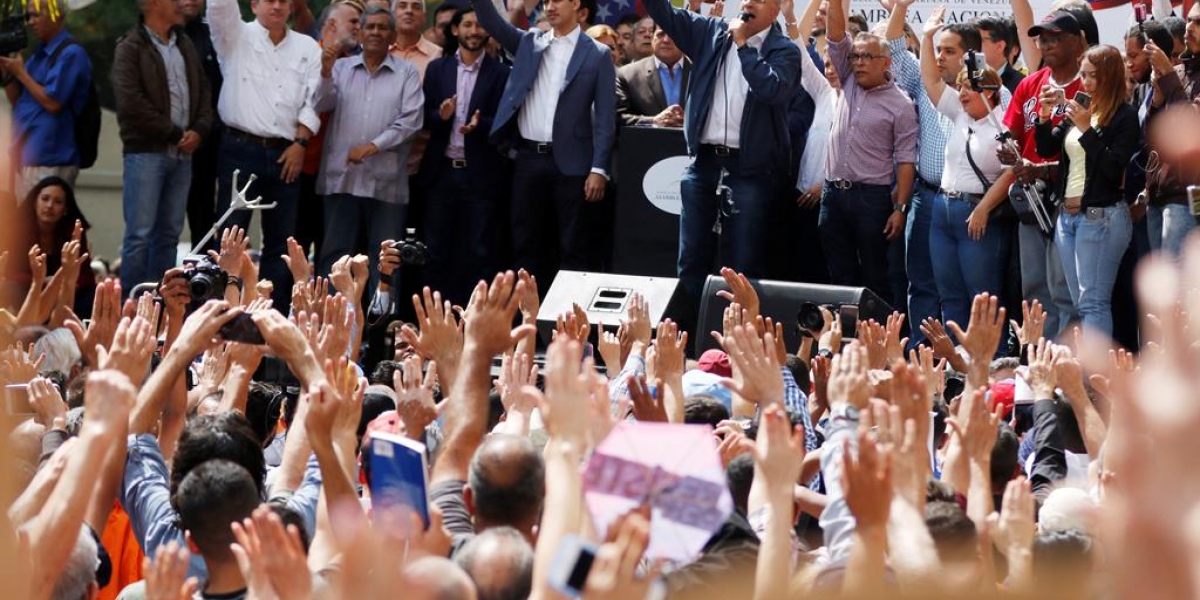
pixel 303 142
pixel 846 412
pixel 901 207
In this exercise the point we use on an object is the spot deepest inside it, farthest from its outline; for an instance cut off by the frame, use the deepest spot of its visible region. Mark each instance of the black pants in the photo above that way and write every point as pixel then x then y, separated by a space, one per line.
pixel 459 228
pixel 547 231
pixel 202 196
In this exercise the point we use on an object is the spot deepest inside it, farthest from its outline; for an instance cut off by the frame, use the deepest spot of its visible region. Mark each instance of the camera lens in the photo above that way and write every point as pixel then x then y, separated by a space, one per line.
pixel 809 317
pixel 201 285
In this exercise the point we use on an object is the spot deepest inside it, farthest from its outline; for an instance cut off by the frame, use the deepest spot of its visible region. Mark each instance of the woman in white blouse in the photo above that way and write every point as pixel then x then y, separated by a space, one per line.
pixel 969 244
pixel 811 177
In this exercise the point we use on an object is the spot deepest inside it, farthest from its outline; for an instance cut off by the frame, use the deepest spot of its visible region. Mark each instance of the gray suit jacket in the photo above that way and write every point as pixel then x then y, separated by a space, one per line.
pixel 640 93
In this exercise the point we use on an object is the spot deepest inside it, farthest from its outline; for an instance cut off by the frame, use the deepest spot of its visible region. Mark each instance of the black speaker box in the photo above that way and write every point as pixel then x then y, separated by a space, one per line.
pixel 781 300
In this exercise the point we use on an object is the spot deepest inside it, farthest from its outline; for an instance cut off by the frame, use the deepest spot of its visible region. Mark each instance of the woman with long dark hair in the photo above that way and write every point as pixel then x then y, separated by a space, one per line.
pixel 1096 142
pixel 52 215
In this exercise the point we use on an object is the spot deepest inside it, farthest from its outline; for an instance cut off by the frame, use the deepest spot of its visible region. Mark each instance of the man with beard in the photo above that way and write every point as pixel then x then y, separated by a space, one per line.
pixel 376 102
pixel 1062 44
pixel 462 91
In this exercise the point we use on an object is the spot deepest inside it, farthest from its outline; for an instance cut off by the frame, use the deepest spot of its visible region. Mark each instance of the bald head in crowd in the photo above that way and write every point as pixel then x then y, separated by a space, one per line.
pixel 506 484
pixel 437 578
pixel 500 562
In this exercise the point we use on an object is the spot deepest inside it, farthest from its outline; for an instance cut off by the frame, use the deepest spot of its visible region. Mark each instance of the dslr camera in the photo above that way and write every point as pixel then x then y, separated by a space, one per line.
pixel 13 38
pixel 810 319
pixel 413 252
pixel 206 280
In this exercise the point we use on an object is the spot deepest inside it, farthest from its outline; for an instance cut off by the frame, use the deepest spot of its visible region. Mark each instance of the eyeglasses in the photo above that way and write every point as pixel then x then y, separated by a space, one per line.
pixel 853 56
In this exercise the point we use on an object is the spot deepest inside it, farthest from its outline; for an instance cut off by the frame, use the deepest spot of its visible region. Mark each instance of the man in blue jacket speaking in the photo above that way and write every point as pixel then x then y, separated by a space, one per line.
pixel 744 75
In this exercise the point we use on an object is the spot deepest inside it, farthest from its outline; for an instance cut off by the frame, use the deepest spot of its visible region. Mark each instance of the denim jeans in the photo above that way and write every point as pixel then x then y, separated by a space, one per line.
pixel 851 225
pixel 459 228
pixel 1169 225
pixel 358 225
pixel 923 291
pixel 743 234
pixel 965 266
pixel 154 201
pixel 1091 244
pixel 1042 278
pixel 278 223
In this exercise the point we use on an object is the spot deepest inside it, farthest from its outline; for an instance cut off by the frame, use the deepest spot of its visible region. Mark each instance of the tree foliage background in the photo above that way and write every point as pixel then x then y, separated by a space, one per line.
pixel 99 26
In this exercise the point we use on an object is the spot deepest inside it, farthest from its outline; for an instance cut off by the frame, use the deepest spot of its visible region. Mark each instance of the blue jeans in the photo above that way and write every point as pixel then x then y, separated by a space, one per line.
pixel 851 225
pixel 459 229
pixel 1042 278
pixel 965 266
pixel 154 201
pixel 358 225
pixel 744 233
pixel 923 291
pixel 1169 225
pixel 278 223
pixel 1091 244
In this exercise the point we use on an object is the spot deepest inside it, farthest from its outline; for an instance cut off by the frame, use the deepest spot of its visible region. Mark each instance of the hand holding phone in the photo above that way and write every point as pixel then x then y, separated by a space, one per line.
pixel 241 329
pixel 1083 99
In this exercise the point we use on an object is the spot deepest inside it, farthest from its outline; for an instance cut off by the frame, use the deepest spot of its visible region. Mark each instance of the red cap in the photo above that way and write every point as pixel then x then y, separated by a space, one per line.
pixel 716 362
pixel 1004 394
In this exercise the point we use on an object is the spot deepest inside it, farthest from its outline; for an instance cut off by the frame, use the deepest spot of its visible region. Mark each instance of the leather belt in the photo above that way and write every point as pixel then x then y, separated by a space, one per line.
pixel 929 186
pixel 458 163
pixel 273 143
pixel 967 197
pixel 719 150
pixel 535 147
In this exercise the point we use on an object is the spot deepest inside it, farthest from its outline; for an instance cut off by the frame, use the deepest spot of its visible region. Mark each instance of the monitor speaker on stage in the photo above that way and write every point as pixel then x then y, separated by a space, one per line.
pixel 782 300
pixel 605 298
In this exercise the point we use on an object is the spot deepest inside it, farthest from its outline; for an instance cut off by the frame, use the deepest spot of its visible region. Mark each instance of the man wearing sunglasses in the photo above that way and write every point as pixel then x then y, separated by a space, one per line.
pixel 870 168
pixel 47 94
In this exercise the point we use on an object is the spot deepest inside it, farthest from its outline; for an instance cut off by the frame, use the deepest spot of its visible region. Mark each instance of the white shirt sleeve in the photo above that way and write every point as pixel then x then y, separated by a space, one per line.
pixel 811 77
pixel 948 104
pixel 225 24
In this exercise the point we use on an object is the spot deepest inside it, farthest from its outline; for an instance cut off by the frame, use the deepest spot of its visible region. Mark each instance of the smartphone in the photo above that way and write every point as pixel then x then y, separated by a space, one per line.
pixel 1084 99
pixel 1194 199
pixel 572 563
pixel 241 329
pixel 16 400
pixel 1139 12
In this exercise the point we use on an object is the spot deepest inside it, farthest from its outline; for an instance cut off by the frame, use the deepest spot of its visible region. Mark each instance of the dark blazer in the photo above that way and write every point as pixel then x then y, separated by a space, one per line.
pixel 484 161
pixel 585 122
pixel 139 78
pixel 640 94
pixel 1109 150
pixel 1011 78
pixel 773 74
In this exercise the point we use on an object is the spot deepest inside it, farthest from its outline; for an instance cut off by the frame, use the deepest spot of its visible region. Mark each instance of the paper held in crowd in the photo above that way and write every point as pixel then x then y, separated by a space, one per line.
pixel 676 469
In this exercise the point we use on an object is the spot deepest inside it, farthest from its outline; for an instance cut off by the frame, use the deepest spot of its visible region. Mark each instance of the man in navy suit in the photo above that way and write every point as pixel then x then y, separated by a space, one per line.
pixel 464 170
pixel 744 74
pixel 559 113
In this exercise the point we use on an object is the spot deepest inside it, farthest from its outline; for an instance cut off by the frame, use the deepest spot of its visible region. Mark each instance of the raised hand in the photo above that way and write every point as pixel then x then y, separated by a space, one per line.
pixel 573 325
pixel 976 427
pixel 297 261
pixel 334 338
pixel 637 319
pixel 757 376
pixel 271 558
pixel 567 381
pixel 874 339
pixel 1013 528
pixel 414 396
pixel 740 291
pixel 131 350
pixel 17 364
pixel 609 348
pixel 106 313
pixel 893 344
pixel 335 406
pixel 47 403
pixel 984 331
pixel 340 277
pixel 614 574
pixel 200 329
pixel 671 346
pixel 440 334
pixel 779 450
pixel 848 381
pixel 108 397
pixel 489 317
pixel 867 483
pixel 233 244
pixel 530 304
pixel 166 576
pixel 934 24
pixel 1033 319
pixel 647 407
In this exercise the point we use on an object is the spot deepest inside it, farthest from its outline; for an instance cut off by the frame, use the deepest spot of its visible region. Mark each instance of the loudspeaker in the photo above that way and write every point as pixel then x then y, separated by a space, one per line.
pixel 605 298
pixel 781 300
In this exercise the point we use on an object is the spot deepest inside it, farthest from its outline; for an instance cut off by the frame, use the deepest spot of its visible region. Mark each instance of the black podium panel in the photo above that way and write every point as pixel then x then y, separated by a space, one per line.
pixel 650 163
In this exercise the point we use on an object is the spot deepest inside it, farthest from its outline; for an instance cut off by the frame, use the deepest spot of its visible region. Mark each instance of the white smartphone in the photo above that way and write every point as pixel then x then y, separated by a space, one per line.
pixel 16 400
pixel 572 563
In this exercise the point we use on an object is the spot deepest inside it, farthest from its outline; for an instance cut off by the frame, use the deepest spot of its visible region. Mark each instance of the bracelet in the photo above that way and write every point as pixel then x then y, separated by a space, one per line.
pixel 235 280
pixel 792 24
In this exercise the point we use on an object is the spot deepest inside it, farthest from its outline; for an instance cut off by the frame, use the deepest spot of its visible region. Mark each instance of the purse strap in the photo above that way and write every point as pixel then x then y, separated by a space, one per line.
pixel 978 173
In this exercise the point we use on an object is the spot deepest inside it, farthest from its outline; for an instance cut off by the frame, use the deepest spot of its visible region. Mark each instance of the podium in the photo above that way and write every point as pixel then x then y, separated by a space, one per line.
pixel 650 163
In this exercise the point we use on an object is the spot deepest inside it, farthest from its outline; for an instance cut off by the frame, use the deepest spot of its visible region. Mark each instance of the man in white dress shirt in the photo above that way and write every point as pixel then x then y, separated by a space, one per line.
pixel 271 74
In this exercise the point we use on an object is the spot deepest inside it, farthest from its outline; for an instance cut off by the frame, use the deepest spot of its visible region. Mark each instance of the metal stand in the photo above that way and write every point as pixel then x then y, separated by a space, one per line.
pixel 1031 193
pixel 238 202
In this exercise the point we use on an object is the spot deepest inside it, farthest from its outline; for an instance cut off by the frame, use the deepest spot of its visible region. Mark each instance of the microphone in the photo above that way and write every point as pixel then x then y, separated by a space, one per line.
pixel 745 17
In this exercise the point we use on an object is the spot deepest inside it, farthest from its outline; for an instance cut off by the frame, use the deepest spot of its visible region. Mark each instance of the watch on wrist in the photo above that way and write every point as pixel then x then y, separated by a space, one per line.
pixel 847 412
pixel 901 207
pixel 303 142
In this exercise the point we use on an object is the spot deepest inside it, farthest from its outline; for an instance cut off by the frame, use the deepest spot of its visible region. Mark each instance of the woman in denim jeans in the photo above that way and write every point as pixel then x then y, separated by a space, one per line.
pixel 1096 142
pixel 968 245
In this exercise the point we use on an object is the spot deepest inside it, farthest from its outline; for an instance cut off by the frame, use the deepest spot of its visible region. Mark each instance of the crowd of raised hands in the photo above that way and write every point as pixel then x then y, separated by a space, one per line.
pixel 915 484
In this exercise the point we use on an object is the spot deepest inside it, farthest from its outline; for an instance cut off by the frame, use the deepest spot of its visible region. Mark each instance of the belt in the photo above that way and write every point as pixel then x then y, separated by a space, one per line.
pixel 457 163
pixel 846 184
pixel 719 150
pixel 967 197
pixel 535 147
pixel 273 143
pixel 929 186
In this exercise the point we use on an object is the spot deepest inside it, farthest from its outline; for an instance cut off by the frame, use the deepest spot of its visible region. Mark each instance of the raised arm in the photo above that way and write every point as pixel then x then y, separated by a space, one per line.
pixel 835 21
pixel 1023 16
pixel 934 86
pixel 497 26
